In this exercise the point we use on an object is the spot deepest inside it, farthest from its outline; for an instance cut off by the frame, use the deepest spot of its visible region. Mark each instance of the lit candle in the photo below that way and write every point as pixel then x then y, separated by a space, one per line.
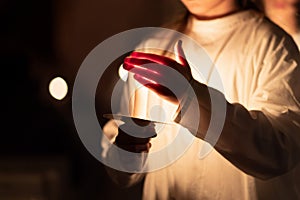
pixel 140 102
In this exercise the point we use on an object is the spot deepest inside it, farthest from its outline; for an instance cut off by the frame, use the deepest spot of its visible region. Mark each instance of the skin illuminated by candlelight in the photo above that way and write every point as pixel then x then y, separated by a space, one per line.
pixel 149 69
pixel 211 9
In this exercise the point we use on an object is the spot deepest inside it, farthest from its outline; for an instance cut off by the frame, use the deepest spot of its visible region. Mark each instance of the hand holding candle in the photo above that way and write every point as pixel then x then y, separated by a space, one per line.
pixel 135 134
pixel 161 74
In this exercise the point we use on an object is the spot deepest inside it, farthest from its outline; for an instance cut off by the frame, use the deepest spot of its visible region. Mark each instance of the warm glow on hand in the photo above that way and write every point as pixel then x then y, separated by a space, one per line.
pixel 160 73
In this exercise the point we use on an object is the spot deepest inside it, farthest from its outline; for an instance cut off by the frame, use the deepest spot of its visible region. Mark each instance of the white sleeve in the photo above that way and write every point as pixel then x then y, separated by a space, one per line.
pixel 264 141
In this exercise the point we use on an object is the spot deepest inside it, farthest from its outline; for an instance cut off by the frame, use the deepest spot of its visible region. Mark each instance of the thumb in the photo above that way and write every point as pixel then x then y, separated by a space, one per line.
pixel 179 54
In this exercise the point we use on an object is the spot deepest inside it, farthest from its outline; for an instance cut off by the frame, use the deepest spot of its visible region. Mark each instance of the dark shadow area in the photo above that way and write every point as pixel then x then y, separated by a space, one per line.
pixel 41 155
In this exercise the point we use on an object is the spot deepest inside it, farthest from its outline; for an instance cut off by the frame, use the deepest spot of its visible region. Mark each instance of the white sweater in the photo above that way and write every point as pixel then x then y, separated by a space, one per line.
pixel 259 69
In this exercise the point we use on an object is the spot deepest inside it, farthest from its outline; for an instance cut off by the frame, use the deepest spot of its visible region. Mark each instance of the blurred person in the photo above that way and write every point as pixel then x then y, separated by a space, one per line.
pixel 257 153
pixel 284 13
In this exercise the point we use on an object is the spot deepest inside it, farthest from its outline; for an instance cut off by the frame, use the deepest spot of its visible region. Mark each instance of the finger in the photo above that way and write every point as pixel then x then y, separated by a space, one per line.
pixel 135 65
pixel 133 131
pixel 179 54
pixel 153 70
pixel 145 81
pixel 154 58
pixel 148 146
pixel 152 85
pixel 140 141
pixel 150 72
pixel 142 147
pixel 137 148
pixel 142 66
pixel 153 80
pixel 126 139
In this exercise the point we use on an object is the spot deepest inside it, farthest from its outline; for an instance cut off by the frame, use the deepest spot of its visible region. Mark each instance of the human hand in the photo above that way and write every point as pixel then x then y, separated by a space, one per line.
pixel 167 77
pixel 135 135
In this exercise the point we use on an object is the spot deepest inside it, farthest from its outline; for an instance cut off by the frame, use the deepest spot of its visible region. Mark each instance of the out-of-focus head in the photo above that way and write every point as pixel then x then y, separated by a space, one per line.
pixel 284 13
pixel 279 5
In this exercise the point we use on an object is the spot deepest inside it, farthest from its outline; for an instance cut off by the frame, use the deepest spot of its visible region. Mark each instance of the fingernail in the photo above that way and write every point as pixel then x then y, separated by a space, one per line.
pixel 180 42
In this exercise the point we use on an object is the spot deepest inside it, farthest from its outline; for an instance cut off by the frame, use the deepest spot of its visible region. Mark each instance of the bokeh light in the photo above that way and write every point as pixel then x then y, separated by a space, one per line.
pixel 58 88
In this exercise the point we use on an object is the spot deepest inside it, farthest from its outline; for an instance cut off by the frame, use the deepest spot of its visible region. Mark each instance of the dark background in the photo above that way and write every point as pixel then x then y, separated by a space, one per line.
pixel 41 155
